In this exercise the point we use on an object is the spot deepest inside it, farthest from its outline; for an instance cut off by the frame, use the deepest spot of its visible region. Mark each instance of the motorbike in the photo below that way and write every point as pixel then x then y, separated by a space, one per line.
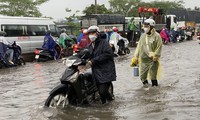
pixel 42 55
pixel 17 57
pixel 123 47
pixel 77 86
pixel 181 38
pixel 188 35
pixel 198 36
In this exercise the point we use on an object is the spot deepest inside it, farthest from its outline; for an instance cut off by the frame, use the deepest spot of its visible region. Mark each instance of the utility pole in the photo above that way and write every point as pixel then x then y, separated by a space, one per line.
pixel 95 6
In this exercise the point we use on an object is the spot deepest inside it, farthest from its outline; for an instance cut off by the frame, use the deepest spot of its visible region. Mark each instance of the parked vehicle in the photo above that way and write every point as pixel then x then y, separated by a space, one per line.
pixel 123 47
pixel 188 35
pixel 170 21
pixel 28 32
pixel 17 57
pixel 198 36
pixel 77 85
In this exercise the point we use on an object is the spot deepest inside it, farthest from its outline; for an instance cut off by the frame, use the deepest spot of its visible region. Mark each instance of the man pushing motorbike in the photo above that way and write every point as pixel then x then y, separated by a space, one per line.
pixel 102 62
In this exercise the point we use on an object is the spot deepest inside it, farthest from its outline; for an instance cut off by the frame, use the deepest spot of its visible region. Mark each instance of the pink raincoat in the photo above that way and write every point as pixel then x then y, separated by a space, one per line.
pixel 164 35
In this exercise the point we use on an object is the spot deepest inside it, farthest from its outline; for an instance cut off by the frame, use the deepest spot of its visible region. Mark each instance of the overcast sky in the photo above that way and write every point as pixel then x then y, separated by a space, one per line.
pixel 56 8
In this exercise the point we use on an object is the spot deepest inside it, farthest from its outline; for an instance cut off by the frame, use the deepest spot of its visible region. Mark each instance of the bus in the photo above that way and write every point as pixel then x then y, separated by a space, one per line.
pixel 28 32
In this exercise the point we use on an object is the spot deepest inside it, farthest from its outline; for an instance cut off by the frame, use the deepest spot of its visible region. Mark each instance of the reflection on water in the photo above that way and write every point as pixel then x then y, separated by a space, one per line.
pixel 25 89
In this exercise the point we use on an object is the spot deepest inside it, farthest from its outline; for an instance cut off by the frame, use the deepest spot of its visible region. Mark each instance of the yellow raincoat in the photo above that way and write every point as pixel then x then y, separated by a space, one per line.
pixel 149 48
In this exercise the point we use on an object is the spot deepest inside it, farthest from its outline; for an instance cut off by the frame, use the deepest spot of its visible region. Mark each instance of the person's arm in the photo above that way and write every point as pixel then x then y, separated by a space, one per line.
pixel 157 53
pixel 106 55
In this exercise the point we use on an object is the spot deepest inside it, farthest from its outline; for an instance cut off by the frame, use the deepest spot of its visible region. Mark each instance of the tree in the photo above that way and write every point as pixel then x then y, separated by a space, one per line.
pixel 167 5
pixel 72 21
pixel 130 7
pixel 101 9
pixel 123 6
pixel 26 8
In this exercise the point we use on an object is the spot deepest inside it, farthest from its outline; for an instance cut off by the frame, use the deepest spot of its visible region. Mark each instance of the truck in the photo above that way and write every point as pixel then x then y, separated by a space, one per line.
pixel 104 21
pixel 186 24
pixel 168 21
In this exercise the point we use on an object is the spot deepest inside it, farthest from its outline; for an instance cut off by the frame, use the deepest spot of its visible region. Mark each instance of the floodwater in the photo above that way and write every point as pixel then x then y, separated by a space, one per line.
pixel 24 89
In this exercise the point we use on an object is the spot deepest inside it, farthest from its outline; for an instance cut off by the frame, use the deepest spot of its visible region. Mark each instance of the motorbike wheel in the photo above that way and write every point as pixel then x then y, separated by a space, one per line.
pixel 1 64
pixel 58 100
pixel 21 61
pixel 127 51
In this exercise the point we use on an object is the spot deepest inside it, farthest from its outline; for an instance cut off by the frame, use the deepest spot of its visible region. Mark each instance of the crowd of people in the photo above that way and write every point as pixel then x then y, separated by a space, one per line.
pixel 175 35
pixel 113 37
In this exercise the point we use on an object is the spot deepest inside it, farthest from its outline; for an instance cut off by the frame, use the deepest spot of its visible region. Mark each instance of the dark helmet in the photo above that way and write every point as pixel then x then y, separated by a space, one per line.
pixel 2 33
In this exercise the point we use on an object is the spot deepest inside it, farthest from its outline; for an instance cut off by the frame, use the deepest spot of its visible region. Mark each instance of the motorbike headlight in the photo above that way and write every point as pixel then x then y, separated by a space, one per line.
pixel 68 62
pixel 73 78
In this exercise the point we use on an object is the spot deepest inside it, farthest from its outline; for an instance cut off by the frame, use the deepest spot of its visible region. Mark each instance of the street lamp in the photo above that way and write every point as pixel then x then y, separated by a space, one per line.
pixel 95 6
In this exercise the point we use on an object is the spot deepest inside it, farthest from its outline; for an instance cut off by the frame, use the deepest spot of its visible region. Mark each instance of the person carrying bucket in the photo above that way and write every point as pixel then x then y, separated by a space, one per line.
pixel 147 54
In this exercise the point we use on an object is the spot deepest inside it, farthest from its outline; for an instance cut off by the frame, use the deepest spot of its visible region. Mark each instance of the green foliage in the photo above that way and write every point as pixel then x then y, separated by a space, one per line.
pixel 75 26
pixel 166 5
pixel 101 9
pixel 72 17
pixel 123 7
pixel 26 8
pixel 130 7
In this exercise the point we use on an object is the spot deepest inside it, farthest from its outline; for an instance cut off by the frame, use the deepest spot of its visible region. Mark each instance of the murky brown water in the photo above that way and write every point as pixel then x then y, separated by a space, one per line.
pixel 23 91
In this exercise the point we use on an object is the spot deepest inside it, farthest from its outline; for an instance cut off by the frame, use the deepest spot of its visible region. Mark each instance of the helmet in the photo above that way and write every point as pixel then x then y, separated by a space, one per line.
pixel 63 30
pixel 150 22
pixel 92 29
pixel 115 29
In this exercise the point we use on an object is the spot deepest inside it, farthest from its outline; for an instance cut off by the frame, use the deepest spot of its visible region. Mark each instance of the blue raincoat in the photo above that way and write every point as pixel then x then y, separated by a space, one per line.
pixel 49 44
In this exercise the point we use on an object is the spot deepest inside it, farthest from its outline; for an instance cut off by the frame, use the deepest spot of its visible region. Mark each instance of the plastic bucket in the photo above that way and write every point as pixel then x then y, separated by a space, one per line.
pixel 136 71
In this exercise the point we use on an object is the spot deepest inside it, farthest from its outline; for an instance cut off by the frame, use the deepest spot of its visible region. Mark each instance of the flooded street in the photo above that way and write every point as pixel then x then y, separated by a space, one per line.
pixel 23 90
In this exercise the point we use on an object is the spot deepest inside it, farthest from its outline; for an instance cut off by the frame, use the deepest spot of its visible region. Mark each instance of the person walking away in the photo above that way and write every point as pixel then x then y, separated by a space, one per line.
pixel 85 41
pixel 102 63
pixel 131 29
pixel 148 52
pixel 49 45
pixel 114 39
pixel 5 48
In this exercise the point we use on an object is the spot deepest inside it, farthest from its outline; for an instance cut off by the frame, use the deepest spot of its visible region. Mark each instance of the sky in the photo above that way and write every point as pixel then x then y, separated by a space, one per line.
pixel 56 8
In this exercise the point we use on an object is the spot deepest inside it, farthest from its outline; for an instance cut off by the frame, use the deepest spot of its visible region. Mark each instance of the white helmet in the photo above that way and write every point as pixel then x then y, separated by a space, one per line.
pixel 63 30
pixel 93 29
pixel 150 22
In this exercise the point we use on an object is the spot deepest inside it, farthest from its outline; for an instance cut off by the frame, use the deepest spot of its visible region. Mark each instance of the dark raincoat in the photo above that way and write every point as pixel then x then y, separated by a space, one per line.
pixel 103 66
